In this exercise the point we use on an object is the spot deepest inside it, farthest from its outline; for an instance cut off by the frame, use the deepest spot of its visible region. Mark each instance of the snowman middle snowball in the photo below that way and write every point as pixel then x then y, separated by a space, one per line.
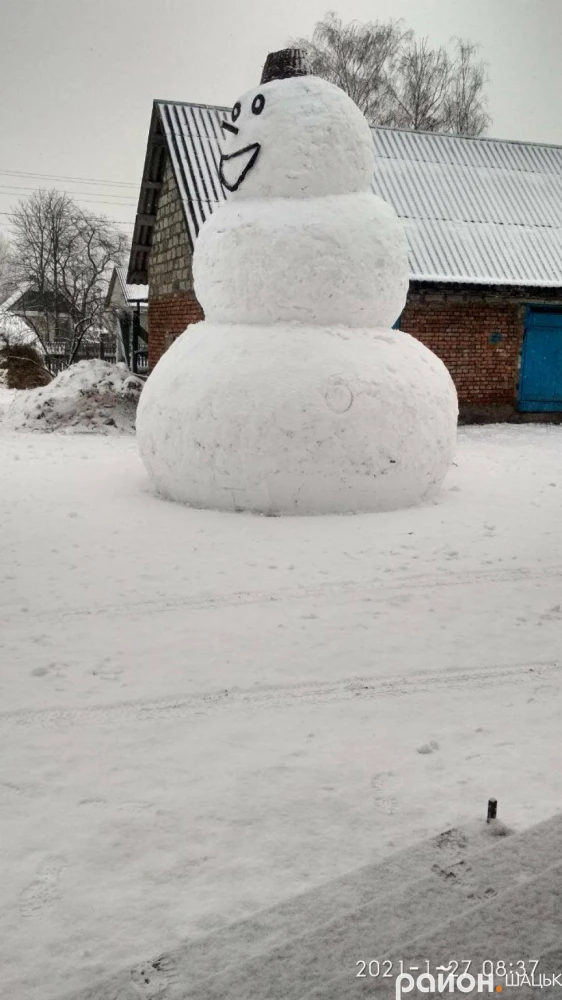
pixel 294 395
pixel 302 237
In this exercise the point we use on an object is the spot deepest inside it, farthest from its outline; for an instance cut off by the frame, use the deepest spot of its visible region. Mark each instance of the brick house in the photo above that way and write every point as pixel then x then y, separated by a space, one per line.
pixel 484 225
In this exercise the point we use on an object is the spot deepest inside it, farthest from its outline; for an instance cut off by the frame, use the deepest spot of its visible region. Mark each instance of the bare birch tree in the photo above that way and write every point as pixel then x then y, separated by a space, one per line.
pixel 419 87
pixel 398 80
pixel 466 106
pixel 359 58
pixel 62 256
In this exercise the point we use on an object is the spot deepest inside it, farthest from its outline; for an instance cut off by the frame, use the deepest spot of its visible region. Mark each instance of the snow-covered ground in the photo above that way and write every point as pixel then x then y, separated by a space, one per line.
pixel 6 398
pixel 203 714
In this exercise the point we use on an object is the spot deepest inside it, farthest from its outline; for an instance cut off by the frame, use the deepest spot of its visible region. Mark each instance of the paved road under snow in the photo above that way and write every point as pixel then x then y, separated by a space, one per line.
pixel 202 714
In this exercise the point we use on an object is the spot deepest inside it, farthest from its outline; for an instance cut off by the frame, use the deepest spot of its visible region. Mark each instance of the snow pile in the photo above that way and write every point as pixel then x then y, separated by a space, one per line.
pixel 295 396
pixel 6 395
pixel 90 396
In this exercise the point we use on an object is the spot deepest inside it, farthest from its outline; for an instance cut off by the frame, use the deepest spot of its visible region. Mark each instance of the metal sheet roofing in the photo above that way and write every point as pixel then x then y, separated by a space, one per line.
pixel 476 211
pixel 194 141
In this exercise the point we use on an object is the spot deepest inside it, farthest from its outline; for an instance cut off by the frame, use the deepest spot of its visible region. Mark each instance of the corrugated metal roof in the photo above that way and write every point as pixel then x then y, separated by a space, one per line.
pixel 194 141
pixel 476 211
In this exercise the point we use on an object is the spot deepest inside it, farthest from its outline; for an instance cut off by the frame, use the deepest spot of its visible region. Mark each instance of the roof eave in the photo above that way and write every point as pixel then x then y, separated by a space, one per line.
pixel 151 184
pixel 111 286
pixel 486 281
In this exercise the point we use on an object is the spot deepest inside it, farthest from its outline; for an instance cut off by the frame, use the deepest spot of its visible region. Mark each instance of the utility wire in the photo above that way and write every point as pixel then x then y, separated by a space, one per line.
pixel 79 194
pixel 118 222
pixel 95 201
pixel 77 180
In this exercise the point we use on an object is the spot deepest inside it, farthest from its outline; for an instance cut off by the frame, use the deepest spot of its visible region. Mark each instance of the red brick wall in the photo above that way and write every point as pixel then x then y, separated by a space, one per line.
pixel 168 316
pixel 457 326
pixel 484 371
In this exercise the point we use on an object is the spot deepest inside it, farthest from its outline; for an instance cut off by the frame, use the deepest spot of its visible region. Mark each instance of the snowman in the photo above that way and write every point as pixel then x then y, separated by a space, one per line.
pixel 295 395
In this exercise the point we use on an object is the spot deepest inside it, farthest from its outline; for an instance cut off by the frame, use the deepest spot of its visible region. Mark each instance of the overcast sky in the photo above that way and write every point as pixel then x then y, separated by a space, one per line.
pixel 77 77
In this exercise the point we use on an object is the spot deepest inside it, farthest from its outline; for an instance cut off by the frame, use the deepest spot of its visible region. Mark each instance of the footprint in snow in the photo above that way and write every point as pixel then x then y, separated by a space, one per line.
pixel 384 799
pixel 43 891
pixel 154 979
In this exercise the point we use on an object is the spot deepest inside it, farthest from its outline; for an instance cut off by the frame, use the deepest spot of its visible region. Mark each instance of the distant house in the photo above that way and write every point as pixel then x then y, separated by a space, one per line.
pixel 36 309
pixel 50 323
pixel 129 306
pixel 484 224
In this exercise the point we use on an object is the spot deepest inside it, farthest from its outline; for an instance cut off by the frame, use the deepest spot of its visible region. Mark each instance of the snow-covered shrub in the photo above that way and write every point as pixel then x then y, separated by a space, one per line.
pixel 21 355
pixel 22 366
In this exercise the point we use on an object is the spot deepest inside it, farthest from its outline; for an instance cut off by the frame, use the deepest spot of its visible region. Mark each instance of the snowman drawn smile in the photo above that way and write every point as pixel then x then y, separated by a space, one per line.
pixel 242 160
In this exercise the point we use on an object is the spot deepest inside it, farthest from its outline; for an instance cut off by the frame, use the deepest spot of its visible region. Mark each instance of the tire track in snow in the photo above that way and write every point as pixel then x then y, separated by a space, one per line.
pixel 277 696
pixel 390 586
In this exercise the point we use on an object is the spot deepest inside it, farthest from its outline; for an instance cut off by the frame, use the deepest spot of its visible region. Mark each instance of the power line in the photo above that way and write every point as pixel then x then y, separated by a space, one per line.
pixel 99 201
pixel 118 222
pixel 79 194
pixel 77 180
pixel 94 201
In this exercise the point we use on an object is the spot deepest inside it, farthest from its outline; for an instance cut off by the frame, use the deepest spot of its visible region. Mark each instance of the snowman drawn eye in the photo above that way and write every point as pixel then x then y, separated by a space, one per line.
pixel 236 111
pixel 258 104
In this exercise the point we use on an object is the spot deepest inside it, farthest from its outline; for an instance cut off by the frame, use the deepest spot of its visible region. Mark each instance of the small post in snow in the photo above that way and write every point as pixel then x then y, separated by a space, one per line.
pixel 492 809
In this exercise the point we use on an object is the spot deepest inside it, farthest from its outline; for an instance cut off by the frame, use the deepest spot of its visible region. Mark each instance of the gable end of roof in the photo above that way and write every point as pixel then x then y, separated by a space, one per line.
pixel 188 135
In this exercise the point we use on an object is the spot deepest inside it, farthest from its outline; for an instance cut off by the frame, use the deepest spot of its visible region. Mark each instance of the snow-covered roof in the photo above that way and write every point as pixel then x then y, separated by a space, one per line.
pixel 476 211
pixel 121 293
pixel 14 330
pixel 133 293
pixel 15 296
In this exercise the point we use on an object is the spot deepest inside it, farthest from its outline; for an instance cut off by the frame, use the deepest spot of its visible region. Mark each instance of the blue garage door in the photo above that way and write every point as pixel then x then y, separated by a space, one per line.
pixel 540 384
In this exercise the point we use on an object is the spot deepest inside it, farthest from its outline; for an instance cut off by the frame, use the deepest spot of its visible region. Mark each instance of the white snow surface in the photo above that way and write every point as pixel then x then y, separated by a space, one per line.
pixel 204 714
pixel 311 139
pixel 6 396
pixel 325 261
pixel 90 396
pixel 297 420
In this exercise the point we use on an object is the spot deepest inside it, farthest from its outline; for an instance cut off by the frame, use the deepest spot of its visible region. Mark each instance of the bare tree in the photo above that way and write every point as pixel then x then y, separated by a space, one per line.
pixel 398 80
pixel 62 257
pixel 466 106
pixel 359 58
pixel 419 87
pixel 436 91
pixel 5 282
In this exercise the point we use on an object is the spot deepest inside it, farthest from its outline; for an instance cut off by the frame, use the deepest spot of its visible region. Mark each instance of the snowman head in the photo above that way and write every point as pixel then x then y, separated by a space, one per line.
pixel 299 137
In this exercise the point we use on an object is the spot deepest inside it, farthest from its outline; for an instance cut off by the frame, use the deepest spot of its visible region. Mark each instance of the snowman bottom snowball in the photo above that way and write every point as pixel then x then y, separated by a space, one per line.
pixel 297 420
